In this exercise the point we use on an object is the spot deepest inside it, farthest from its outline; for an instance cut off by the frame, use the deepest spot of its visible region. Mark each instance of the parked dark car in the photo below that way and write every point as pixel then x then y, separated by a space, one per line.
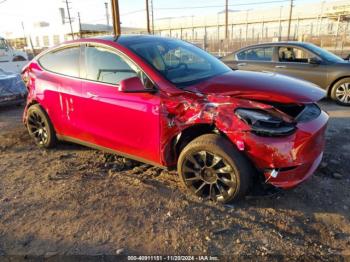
pixel 297 59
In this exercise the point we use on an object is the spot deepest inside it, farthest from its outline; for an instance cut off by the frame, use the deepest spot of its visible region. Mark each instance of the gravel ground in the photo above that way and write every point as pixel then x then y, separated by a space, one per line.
pixel 75 200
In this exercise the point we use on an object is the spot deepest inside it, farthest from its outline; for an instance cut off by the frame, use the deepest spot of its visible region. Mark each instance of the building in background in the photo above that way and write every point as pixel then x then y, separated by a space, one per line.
pixel 43 34
pixel 326 24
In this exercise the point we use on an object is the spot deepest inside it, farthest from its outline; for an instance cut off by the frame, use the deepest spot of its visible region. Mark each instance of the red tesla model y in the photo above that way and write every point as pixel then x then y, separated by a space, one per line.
pixel 166 102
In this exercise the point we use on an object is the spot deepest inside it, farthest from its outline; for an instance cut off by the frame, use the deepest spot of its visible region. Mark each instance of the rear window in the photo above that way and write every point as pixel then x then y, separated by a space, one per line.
pixel 63 61
pixel 256 54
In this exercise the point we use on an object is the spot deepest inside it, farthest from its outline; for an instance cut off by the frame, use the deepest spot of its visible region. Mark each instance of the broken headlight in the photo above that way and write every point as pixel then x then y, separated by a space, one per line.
pixel 265 124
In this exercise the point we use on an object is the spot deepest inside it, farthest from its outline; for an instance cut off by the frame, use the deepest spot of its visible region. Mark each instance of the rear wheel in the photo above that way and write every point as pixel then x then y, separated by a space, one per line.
pixel 341 92
pixel 211 168
pixel 40 128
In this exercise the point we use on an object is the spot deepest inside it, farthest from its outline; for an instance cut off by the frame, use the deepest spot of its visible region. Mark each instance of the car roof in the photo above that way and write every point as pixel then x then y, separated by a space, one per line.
pixel 124 39
pixel 121 39
pixel 292 43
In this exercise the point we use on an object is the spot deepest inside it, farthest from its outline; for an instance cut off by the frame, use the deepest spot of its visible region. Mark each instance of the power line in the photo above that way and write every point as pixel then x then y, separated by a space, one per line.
pixel 93 21
pixel 213 6
pixel 133 12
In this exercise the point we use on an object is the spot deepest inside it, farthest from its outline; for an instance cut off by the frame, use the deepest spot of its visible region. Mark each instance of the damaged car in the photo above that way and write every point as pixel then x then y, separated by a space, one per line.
pixel 12 89
pixel 168 103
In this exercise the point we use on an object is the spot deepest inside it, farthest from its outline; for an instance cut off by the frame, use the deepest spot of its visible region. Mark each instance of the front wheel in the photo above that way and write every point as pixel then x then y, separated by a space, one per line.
pixel 40 128
pixel 211 168
pixel 341 92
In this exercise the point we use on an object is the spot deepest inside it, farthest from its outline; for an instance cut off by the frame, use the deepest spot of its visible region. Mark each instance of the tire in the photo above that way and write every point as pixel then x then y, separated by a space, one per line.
pixel 40 127
pixel 222 180
pixel 340 92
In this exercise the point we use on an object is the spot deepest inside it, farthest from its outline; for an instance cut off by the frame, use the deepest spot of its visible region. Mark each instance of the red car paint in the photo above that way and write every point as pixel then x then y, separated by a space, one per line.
pixel 146 126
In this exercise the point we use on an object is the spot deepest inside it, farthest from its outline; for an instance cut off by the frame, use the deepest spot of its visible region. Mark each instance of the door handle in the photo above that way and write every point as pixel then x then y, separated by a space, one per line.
pixel 280 66
pixel 91 95
pixel 242 64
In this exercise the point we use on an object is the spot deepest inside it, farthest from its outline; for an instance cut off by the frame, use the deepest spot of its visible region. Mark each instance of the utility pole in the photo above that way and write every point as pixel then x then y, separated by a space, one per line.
pixel 290 18
pixel 79 24
pixel 30 39
pixel 69 18
pixel 226 19
pixel 152 10
pixel 147 17
pixel 107 14
pixel 246 26
pixel 280 25
pixel 116 17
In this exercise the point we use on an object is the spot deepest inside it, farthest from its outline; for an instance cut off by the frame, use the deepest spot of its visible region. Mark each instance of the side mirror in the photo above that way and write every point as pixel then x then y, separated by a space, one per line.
pixel 314 61
pixel 134 85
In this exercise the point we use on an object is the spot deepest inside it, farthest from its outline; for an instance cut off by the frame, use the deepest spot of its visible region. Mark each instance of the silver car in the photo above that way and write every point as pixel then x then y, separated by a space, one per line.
pixel 300 60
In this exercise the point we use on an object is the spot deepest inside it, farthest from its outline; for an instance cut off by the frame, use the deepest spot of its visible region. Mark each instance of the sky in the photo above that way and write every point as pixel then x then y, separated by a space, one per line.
pixel 13 12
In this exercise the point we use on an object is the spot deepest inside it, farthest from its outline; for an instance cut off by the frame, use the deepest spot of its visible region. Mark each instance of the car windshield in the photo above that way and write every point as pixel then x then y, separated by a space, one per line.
pixel 325 54
pixel 181 63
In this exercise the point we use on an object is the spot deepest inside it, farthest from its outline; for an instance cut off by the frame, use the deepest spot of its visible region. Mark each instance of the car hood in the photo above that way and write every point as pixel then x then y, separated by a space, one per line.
pixel 260 86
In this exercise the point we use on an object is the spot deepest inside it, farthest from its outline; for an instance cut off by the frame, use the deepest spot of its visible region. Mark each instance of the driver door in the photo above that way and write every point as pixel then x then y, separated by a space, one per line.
pixel 294 61
pixel 125 122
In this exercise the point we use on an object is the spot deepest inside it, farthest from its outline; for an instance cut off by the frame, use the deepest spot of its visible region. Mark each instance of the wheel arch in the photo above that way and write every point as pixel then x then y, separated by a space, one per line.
pixel 35 102
pixel 330 87
pixel 25 114
pixel 190 133
pixel 187 135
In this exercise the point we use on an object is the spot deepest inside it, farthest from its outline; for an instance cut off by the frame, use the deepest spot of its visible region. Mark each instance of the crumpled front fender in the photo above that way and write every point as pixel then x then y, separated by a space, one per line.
pixel 182 112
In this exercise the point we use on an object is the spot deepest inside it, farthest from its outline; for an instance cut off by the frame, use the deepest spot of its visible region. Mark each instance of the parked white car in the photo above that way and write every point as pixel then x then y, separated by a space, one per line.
pixel 11 60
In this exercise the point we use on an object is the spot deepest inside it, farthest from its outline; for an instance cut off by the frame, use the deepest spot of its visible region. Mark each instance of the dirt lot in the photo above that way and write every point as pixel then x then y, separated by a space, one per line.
pixel 75 200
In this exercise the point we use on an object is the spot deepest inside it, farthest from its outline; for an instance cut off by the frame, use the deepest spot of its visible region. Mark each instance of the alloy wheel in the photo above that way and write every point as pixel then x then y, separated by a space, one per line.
pixel 37 128
pixel 209 176
pixel 342 93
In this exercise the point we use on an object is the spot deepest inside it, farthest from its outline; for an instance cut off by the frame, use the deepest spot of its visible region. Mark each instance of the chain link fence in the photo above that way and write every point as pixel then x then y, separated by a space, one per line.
pixel 331 35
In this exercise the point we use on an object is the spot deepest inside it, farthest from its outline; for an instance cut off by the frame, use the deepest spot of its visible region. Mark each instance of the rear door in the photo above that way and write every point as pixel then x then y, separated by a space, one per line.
pixel 258 59
pixel 62 87
pixel 295 62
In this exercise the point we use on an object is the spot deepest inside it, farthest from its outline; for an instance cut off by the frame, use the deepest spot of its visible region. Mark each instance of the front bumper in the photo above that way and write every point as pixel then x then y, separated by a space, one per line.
pixel 295 157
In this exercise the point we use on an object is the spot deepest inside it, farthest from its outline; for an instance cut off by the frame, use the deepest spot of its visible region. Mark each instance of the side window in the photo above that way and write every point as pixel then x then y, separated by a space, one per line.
pixel 228 58
pixel 294 55
pixel 180 56
pixel 105 66
pixel 63 61
pixel 2 44
pixel 256 54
